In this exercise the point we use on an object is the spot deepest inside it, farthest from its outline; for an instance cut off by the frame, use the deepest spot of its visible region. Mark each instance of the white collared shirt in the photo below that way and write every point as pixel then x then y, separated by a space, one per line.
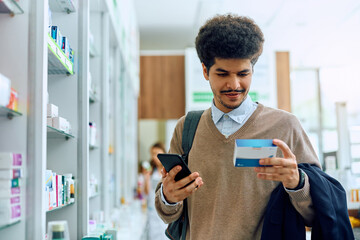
pixel 229 123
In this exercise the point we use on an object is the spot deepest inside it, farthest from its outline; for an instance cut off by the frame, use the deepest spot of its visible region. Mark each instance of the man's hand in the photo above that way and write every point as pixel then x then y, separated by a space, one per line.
pixel 176 191
pixel 284 170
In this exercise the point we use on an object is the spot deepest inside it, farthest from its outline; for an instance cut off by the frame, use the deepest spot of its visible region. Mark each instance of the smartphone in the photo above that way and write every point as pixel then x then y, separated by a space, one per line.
pixel 171 160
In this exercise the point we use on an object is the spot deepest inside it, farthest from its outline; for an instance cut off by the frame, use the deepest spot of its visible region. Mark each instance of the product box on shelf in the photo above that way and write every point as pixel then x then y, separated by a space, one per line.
pixel 60 123
pixel 56 35
pixel 52 111
pixel 10 183
pixel 9 201
pixel 10 192
pixel 5 90
pixel 71 55
pixel 65 46
pixel 10 160
pixel 11 173
pixel 14 100
pixel 59 190
pixel 9 214
pixel 49 121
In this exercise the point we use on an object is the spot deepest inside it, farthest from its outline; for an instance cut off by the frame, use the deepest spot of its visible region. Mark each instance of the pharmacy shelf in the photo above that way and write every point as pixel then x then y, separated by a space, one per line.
pixel 58 208
pixel 59 63
pixel 56 133
pixel 62 6
pixel 10 224
pixel 6 112
pixel 10 7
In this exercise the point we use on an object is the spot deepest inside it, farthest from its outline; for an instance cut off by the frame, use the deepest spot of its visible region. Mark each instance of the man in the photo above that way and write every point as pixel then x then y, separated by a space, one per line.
pixel 230 202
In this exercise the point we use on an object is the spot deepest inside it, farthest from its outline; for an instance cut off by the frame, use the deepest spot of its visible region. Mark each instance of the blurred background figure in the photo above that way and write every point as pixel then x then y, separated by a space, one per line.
pixel 152 175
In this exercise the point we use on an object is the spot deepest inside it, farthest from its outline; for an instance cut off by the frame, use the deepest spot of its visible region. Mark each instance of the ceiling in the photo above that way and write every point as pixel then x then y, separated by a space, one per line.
pixel 316 32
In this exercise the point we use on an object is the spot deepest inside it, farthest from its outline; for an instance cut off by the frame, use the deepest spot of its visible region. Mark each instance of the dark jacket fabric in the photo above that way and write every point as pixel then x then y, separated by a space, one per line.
pixel 331 220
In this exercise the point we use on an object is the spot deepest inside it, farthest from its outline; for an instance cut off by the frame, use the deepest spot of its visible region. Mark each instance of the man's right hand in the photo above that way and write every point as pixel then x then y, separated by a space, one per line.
pixel 176 191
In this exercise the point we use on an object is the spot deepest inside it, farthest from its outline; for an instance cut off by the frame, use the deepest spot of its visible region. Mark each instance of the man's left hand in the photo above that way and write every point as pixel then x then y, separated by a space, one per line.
pixel 284 169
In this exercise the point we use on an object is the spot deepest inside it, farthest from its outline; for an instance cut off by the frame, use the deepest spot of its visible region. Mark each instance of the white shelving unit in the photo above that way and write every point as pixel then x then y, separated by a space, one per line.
pixel 14 21
pixel 40 72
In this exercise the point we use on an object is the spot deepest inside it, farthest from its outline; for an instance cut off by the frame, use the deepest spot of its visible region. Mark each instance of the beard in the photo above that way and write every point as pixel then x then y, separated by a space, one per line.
pixel 228 106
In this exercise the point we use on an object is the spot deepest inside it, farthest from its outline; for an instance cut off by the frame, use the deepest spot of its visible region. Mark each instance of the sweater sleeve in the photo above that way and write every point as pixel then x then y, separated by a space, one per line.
pixel 302 202
pixel 170 213
pixel 304 152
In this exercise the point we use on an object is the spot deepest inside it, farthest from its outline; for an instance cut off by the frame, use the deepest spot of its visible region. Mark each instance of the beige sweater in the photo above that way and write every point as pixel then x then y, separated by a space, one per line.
pixel 231 203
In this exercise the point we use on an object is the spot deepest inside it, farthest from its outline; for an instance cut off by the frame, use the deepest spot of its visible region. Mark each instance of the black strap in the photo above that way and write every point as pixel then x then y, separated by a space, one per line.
pixel 191 122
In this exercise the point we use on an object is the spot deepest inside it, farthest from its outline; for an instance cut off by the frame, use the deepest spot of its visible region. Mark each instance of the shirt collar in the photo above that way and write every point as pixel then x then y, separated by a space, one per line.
pixel 238 114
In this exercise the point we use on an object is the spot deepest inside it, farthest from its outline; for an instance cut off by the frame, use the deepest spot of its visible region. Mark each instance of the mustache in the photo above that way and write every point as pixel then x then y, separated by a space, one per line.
pixel 233 91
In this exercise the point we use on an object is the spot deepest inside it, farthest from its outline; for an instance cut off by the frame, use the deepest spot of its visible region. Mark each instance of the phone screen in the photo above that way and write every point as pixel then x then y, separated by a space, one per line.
pixel 171 160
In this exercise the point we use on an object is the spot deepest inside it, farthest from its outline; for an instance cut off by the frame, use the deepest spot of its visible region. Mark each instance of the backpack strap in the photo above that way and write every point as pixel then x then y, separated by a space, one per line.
pixel 191 122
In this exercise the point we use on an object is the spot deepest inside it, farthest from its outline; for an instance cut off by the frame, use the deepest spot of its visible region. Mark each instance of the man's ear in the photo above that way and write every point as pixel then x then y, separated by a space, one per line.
pixel 205 72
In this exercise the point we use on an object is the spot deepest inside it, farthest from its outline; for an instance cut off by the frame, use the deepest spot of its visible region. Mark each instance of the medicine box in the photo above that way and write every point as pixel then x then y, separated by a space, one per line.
pixel 11 173
pixel 10 160
pixel 52 111
pixel 10 192
pixel 60 123
pixel 5 90
pixel 10 183
pixel 248 152
pixel 9 214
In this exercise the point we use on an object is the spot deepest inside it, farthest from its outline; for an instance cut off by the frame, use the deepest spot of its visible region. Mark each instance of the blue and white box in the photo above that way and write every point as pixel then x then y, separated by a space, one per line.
pixel 248 152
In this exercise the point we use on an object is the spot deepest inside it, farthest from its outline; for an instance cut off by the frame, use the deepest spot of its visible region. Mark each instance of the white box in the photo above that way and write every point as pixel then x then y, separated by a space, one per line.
pixel 11 173
pixel 10 192
pixel 60 123
pixel 9 214
pixel 9 201
pixel 52 111
pixel 5 89
pixel 49 121
pixel 9 160
pixel 10 183
pixel 248 152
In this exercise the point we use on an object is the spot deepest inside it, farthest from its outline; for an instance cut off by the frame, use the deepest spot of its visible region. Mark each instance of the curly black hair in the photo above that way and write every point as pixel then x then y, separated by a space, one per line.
pixel 229 36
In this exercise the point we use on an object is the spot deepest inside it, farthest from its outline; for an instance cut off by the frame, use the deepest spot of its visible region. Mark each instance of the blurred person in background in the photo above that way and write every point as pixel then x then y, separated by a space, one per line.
pixel 152 176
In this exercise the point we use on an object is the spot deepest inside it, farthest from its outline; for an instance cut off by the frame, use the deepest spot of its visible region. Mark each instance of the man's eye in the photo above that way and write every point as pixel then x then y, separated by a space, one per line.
pixel 222 74
pixel 243 74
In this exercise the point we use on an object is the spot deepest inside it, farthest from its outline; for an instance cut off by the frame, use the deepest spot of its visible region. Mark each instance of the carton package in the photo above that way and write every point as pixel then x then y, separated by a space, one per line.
pixel 5 90
pixel 10 192
pixel 52 111
pixel 14 100
pixel 10 160
pixel 9 201
pixel 248 152
pixel 10 183
pixel 11 173
pixel 49 121
pixel 9 214
pixel 60 123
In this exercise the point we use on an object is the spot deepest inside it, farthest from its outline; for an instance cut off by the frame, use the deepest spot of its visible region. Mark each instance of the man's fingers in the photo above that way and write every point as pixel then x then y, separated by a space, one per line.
pixel 186 180
pixel 174 171
pixel 198 182
pixel 278 162
pixel 276 170
pixel 284 148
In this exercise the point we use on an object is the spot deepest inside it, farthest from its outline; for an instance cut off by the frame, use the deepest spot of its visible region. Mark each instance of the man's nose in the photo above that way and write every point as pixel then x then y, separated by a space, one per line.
pixel 233 82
